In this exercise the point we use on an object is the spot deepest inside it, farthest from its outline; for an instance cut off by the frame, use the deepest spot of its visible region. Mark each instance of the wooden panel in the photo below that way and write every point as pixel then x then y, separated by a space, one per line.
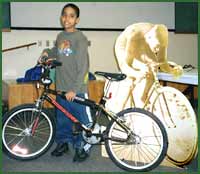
pixel 95 88
pixel 21 93
pixel 18 94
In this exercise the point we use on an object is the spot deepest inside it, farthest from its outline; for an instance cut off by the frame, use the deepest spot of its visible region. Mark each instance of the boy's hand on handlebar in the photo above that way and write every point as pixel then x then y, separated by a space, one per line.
pixel 70 95
pixel 43 57
pixel 50 60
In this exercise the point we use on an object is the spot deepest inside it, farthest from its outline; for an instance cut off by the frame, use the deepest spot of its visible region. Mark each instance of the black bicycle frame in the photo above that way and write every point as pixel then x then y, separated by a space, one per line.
pixel 86 102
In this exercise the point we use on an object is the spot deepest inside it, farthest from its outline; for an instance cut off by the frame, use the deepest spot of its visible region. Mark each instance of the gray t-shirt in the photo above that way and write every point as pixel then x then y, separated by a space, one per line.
pixel 72 50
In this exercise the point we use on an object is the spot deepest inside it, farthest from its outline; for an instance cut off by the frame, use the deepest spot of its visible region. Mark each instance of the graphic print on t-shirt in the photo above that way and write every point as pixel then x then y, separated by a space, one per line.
pixel 65 48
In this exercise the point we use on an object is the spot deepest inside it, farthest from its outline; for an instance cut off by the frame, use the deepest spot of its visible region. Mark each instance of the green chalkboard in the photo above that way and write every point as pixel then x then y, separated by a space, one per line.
pixel 6 15
pixel 186 17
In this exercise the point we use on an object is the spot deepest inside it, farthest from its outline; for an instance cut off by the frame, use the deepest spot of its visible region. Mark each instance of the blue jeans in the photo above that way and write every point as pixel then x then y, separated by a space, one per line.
pixel 64 124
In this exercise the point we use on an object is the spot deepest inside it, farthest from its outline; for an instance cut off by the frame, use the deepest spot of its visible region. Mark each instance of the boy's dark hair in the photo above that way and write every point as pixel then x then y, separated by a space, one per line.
pixel 75 7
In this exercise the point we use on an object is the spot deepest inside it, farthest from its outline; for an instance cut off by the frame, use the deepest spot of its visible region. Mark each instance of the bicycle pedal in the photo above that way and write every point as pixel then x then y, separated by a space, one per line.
pixel 76 132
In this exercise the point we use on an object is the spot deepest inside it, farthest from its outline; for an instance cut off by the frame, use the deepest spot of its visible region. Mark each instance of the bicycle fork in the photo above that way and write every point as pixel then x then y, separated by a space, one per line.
pixel 159 93
pixel 35 122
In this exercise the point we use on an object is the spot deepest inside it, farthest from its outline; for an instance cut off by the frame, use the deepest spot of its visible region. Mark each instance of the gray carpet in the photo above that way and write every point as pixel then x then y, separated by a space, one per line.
pixel 96 162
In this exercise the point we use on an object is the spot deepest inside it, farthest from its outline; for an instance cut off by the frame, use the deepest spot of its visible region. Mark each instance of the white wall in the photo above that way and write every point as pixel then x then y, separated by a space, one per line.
pixel 93 14
pixel 182 49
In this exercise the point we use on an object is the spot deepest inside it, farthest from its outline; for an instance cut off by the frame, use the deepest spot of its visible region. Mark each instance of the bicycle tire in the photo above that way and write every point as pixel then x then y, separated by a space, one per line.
pixel 181 127
pixel 18 143
pixel 154 130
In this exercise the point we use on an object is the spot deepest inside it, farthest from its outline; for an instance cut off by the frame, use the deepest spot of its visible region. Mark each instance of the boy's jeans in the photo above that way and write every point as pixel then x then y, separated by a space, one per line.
pixel 64 124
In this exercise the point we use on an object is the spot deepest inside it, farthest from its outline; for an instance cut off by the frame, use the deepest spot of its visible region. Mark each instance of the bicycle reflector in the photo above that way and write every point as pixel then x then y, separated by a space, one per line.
pixel 110 95
pixel 18 149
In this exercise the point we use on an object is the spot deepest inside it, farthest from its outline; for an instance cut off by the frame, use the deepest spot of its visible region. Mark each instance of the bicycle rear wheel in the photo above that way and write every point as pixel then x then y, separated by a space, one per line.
pixel 143 149
pixel 27 133
pixel 178 116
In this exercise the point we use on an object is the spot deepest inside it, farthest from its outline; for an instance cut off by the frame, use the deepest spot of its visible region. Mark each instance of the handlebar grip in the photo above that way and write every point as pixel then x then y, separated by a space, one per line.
pixel 56 63
pixel 49 62
pixel 44 58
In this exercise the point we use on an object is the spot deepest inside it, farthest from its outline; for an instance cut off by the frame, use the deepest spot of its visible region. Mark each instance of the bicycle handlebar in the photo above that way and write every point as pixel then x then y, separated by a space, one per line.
pixel 50 62
pixel 55 63
pixel 47 64
pixel 154 65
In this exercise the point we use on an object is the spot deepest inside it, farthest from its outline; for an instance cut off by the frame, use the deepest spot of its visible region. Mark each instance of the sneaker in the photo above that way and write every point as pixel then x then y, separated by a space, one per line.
pixel 80 155
pixel 60 149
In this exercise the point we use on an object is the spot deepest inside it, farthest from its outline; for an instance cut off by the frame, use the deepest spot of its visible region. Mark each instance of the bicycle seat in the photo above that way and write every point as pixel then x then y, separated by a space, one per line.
pixel 111 76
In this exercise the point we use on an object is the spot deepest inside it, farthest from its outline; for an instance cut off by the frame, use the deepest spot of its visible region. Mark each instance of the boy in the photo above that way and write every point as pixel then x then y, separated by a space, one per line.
pixel 72 50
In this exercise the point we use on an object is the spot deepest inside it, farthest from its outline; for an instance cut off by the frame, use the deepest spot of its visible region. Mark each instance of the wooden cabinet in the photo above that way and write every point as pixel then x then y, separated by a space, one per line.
pixel 20 93
pixel 25 91
pixel 188 90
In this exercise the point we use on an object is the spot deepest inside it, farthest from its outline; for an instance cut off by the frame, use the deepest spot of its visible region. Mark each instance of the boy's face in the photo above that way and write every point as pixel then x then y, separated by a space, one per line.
pixel 69 19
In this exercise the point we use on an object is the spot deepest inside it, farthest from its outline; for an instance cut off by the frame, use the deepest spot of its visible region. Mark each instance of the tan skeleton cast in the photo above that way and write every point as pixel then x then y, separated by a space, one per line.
pixel 138 49
pixel 140 44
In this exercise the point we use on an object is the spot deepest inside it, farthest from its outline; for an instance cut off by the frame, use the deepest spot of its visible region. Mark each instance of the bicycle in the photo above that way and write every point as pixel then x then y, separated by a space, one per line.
pixel 175 112
pixel 28 130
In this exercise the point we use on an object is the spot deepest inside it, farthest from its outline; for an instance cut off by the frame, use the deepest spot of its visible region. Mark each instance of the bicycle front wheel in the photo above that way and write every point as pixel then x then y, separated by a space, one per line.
pixel 27 133
pixel 141 150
